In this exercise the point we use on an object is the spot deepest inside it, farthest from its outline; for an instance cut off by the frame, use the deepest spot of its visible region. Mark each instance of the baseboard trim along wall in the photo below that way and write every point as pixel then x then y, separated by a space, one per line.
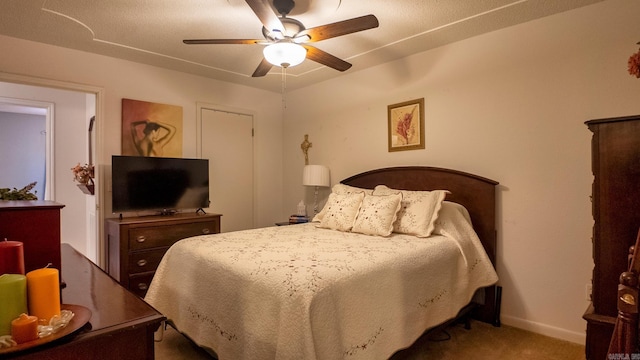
pixel 543 329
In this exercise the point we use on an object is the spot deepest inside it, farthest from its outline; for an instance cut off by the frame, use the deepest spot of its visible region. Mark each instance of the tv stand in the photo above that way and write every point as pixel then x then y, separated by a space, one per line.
pixel 201 211
pixel 137 244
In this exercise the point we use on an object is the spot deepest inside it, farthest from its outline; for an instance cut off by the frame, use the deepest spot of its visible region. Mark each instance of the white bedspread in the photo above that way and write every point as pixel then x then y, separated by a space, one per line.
pixel 301 292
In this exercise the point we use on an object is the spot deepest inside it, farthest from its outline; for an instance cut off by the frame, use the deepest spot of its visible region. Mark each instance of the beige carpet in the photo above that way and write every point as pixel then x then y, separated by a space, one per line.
pixel 482 342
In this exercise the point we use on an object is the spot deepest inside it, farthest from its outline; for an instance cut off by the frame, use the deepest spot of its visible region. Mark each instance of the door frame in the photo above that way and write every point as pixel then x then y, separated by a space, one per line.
pixel 229 109
pixel 100 193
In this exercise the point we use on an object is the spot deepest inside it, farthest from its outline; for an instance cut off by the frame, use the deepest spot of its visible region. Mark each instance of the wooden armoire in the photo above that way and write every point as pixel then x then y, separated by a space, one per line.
pixel 615 162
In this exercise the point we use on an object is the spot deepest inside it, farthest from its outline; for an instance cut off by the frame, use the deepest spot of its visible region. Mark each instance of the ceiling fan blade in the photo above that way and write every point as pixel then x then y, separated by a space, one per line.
pixel 339 28
pixel 324 58
pixel 222 41
pixel 262 69
pixel 267 17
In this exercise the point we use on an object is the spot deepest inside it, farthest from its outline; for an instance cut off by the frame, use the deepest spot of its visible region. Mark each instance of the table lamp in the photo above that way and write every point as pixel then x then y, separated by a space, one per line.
pixel 317 176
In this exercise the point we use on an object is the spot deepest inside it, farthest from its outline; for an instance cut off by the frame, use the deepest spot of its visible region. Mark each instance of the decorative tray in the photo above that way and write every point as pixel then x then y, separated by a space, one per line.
pixel 80 318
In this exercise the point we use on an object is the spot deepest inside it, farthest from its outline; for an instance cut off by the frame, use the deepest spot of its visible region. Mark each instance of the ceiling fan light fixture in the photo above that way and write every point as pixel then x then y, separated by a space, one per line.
pixel 285 54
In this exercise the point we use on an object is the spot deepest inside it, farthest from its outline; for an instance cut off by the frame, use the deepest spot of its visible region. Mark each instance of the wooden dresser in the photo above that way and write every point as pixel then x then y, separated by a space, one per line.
pixel 615 161
pixel 35 223
pixel 137 244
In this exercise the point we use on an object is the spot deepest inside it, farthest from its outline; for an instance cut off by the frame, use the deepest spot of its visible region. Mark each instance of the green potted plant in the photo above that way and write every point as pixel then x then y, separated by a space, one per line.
pixel 22 194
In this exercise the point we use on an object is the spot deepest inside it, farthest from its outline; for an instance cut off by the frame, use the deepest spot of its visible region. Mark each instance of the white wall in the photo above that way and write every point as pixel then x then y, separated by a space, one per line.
pixel 509 105
pixel 22 145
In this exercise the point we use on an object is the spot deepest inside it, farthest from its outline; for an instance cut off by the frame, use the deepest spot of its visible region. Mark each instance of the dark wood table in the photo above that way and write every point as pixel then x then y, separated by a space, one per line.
pixel 121 324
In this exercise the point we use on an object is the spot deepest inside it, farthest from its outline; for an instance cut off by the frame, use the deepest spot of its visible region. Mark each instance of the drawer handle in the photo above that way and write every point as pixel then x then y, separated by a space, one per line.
pixel 206 231
pixel 142 262
pixel 142 286
pixel 141 238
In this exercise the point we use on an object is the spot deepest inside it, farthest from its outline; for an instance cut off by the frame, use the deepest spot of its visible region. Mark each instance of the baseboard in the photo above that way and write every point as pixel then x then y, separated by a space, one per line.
pixel 543 329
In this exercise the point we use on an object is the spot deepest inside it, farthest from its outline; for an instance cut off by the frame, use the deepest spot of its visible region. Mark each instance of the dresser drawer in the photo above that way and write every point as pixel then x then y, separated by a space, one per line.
pixel 165 236
pixel 146 260
pixel 139 283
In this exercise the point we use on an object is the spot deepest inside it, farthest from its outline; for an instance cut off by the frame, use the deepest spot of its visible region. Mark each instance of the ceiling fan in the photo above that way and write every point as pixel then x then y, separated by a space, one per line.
pixel 287 40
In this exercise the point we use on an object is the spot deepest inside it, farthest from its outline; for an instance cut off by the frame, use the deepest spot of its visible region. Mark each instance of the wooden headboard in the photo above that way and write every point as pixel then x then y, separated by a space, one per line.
pixel 475 193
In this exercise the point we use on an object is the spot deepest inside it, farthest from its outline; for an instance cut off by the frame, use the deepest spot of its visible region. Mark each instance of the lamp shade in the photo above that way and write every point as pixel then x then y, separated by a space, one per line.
pixel 316 175
pixel 285 54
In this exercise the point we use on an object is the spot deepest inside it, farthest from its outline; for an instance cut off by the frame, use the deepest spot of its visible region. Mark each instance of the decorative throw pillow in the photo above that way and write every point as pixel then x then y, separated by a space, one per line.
pixel 377 214
pixel 340 189
pixel 418 211
pixel 348 189
pixel 341 211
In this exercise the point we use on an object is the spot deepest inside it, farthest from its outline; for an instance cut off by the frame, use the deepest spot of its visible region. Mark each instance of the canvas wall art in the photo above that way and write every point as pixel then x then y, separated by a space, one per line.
pixel 151 129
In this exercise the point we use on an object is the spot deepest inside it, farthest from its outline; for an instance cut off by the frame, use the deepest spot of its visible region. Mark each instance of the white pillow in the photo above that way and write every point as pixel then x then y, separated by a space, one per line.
pixel 340 189
pixel 348 189
pixel 341 211
pixel 450 213
pixel 418 211
pixel 377 214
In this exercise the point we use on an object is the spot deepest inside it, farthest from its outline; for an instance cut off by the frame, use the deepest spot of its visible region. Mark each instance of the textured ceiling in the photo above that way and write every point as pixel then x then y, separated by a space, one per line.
pixel 151 32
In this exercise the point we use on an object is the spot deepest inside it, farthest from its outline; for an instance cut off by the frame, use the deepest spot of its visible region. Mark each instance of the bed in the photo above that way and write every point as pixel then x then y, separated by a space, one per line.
pixel 313 292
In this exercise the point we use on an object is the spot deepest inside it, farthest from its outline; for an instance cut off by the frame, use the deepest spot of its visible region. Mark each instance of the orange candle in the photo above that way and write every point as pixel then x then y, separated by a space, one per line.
pixel 13 300
pixel 43 293
pixel 24 328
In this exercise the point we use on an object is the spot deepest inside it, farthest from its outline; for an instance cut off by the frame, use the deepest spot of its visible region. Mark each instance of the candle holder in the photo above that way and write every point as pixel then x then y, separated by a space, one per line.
pixel 71 319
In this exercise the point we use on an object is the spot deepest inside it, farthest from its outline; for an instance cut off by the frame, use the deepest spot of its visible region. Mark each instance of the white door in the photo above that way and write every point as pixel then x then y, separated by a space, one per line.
pixel 226 139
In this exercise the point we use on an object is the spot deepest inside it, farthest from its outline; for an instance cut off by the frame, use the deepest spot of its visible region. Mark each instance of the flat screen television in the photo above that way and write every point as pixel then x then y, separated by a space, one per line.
pixel 158 184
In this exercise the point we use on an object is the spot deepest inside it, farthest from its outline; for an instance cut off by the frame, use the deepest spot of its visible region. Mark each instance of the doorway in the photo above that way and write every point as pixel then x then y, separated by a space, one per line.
pixel 69 107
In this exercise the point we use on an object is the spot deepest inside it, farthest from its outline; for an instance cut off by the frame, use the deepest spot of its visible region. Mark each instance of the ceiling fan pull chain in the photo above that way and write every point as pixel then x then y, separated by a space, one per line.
pixel 284 87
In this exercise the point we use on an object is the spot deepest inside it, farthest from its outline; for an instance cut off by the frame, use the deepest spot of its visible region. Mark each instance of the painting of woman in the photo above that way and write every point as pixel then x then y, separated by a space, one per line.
pixel 155 135
pixel 151 129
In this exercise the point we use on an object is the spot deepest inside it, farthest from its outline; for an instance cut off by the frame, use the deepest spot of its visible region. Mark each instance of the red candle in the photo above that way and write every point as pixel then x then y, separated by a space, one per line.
pixel 11 257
